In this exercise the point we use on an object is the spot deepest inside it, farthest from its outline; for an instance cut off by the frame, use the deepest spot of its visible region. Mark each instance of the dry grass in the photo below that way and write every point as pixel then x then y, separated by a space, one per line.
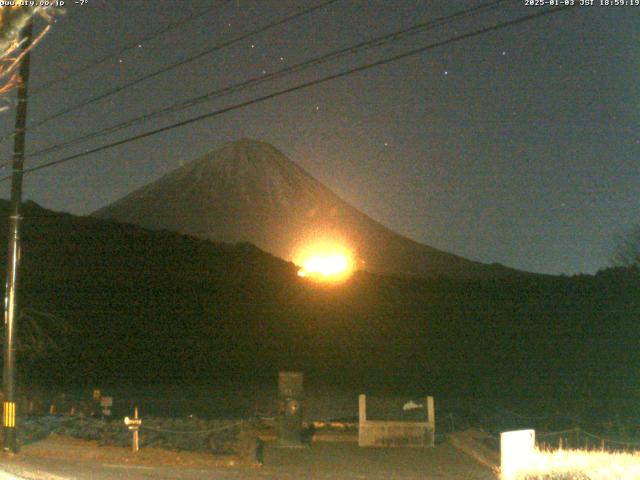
pixel 580 465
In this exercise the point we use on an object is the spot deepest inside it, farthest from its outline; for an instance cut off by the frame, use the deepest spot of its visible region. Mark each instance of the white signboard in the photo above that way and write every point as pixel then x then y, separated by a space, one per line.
pixel 517 449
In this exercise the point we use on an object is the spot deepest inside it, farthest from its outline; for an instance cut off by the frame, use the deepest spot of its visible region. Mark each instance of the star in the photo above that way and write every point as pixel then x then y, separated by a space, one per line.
pixel 282 59
pixel 386 144
pixel 253 46
pixel 317 107
pixel 120 60
pixel 446 72
pixel 139 45
pixel 504 52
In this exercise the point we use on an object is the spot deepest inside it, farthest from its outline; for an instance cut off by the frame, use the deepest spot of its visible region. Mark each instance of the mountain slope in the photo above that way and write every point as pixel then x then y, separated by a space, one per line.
pixel 250 191
pixel 147 307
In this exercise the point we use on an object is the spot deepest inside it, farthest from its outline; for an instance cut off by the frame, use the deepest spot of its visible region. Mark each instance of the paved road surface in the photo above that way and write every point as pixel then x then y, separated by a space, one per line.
pixel 322 461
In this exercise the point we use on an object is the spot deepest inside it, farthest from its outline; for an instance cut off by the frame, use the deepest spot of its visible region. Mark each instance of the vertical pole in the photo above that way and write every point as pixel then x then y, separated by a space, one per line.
pixel 362 419
pixel 136 438
pixel 362 407
pixel 13 257
pixel 431 413
pixel 431 421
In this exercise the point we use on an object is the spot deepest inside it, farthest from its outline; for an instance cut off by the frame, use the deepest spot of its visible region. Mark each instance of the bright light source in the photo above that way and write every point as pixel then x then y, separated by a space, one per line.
pixel 325 265
pixel 516 452
pixel 325 262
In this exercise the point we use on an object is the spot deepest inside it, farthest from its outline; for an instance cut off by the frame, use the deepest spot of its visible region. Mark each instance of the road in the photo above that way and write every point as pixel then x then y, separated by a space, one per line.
pixel 322 461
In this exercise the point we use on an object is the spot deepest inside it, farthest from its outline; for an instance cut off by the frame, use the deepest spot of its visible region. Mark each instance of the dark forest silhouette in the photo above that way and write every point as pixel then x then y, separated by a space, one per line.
pixel 159 307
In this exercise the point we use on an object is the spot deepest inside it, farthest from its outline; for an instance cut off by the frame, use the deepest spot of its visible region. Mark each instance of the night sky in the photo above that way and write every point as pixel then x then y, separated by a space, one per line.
pixel 519 146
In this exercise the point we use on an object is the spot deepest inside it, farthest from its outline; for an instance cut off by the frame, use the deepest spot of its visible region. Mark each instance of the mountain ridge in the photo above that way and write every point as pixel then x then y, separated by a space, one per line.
pixel 250 191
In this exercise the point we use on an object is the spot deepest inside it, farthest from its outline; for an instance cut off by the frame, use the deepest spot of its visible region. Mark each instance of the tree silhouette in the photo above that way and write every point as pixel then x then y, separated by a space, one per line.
pixel 627 250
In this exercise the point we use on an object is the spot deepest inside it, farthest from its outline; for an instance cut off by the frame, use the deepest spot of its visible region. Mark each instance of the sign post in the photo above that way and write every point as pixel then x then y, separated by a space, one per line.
pixel 106 403
pixel 133 424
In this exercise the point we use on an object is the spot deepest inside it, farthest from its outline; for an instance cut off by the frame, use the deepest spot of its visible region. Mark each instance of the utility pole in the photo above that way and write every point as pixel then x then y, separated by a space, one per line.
pixel 13 257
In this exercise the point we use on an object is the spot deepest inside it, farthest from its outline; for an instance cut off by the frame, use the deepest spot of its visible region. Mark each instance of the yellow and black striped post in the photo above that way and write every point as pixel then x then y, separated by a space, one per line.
pixel 9 418
pixel 9 426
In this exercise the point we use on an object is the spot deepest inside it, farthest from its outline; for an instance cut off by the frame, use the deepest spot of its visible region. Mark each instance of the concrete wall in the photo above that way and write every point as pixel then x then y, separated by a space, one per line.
pixel 389 433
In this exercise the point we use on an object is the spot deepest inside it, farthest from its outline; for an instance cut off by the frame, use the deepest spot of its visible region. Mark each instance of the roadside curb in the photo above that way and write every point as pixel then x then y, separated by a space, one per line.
pixel 471 443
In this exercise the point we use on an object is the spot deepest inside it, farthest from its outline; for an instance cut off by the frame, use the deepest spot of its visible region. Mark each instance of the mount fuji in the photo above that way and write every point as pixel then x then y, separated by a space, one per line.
pixel 248 191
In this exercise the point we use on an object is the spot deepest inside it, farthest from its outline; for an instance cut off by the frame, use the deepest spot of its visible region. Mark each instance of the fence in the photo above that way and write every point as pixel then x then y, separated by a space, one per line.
pixel 213 436
pixel 578 438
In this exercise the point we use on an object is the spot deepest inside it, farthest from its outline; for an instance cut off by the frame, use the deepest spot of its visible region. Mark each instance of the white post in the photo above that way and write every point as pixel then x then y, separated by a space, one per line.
pixel 362 417
pixel 431 413
pixel 431 422
pixel 362 411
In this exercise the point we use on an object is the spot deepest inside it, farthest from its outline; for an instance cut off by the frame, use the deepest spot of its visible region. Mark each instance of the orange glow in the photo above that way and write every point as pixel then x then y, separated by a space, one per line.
pixel 325 262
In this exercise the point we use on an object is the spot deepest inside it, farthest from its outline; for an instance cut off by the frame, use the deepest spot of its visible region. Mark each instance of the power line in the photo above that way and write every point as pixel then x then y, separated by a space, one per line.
pixel 345 73
pixel 131 46
pixel 122 50
pixel 302 86
pixel 375 42
pixel 173 66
